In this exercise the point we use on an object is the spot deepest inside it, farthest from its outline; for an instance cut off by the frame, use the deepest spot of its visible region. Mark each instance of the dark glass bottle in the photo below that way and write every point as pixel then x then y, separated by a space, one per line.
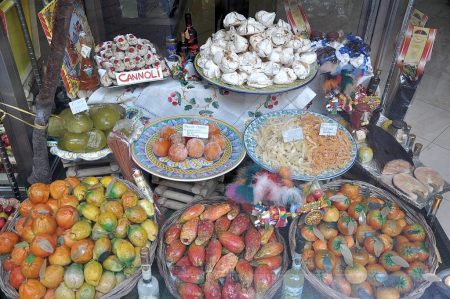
pixel 373 83
pixel 191 36
pixel 184 47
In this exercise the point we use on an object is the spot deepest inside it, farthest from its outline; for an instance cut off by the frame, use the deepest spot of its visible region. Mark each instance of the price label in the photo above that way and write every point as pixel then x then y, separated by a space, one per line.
pixel 304 98
pixel 85 51
pixel 196 131
pixel 328 129
pixel 292 134
pixel 78 106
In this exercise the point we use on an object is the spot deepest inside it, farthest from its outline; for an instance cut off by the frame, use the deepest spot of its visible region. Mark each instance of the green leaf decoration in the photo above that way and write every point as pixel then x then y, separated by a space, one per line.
pixel 378 247
pixel 318 234
pixel 187 107
pixel 398 260
pixel 362 219
pixel 351 226
pixel 251 114
pixel 338 198
pixel 347 254
pixel 192 101
pixel 208 100
pixel 385 211
pixel 215 104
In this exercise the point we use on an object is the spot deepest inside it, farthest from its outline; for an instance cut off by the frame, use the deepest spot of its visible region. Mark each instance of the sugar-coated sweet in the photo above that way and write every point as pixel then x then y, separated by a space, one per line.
pixel 161 147
pixel 219 139
pixel 212 151
pixel 166 132
pixel 177 138
pixel 195 148
pixel 213 129
pixel 178 152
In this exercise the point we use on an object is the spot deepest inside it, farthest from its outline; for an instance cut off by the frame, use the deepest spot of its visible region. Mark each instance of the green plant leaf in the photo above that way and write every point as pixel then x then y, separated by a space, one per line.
pixel 187 107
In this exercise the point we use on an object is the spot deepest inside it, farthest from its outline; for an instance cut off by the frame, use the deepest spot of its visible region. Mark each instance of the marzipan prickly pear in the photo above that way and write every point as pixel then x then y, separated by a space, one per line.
pixel 239 224
pixel 189 231
pixel 269 250
pixel 214 212
pixel 263 279
pixel 189 274
pixel 196 254
pixel 252 243
pixel 213 254
pixel 172 233
pixel 222 224
pixel 191 213
pixel 204 232
pixel 232 242
pixel 225 265
pixel 245 273
pixel 190 291
pixel 175 251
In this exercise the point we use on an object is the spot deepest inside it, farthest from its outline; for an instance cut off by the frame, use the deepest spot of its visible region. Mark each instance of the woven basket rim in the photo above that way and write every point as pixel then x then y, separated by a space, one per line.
pixel 409 213
pixel 163 268
pixel 124 288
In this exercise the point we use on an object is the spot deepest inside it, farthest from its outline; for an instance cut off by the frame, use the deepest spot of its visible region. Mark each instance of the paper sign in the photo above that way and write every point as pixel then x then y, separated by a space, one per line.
pixel 78 106
pixel 328 129
pixel 134 77
pixel 292 134
pixel 196 131
pixel 85 51
pixel 303 99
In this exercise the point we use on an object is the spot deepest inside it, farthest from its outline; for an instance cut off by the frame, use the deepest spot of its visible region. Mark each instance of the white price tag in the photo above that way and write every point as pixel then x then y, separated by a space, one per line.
pixel 292 134
pixel 85 51
pixel 196 131
pixel 303 99
pixel 78 106
pixel 328 129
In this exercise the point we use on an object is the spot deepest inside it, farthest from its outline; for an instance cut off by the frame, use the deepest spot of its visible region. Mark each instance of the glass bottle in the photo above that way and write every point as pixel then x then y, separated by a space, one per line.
pixel 293 280
pixel 148 286
pixel 184 47
pixel 88 72
pixel 191 36
pixel 373 83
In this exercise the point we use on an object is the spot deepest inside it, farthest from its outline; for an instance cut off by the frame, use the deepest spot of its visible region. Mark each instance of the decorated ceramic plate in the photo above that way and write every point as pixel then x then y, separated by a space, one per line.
pixel 189 170
pixel 276 88
pixel 311 157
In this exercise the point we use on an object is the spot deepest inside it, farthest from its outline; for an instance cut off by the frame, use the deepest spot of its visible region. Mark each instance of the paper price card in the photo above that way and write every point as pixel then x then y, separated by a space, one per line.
pixel 291 135
pixel 78 106
pixel 195 131
pixel 328 129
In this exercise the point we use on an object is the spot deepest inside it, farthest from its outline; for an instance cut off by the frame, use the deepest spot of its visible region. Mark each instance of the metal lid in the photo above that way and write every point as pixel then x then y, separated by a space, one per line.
pixel 398 124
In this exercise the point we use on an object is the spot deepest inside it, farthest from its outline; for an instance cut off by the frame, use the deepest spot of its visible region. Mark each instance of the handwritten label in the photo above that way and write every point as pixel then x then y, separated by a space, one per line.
pixel 133 77
pixel 196 131
pixel 328 129
pixel 85 51
pixel 304 98
pixel 78 106
pixel 292 134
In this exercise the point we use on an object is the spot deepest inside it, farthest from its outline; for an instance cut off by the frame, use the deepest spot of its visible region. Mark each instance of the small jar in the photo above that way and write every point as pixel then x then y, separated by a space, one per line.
pixel 171 48
pixel 332 36
pixel 316 35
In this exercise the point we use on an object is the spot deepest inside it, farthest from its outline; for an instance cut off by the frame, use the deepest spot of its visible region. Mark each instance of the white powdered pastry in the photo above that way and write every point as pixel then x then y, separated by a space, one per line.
pixel 202 61
pixel 221 34
pixel 118 65
pixel 285 76
pixel 265 18
pixel 258 80
pixel 121 42
pixel 131 52
pixel 279 36
pixel 107 53
pixel 234 78
pixel 264 48
pixel 150 58
pixel 308 57
pixel 306 46
pixel 142 49
pixel 111 72
pixel 119 55
pixel 270 68
pixel 240 44
pixel 233 19
pixel 211 70
pixel 140 62
pixel 285 25
pixel 218 56
pixel 129 63
pixel 287 56
pixel 132 40
pixel 294 43
pixel 205 50
pixel 275 56
pixel 250 27
pixel 106 64
pixel 229 63
pixel 301 69
pixel 255 39
pixel 105 80
pixel 249 61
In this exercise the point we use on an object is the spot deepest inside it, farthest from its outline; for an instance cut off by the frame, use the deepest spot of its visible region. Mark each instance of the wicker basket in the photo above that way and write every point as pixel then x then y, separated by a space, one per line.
pixel 119 291
pixel 163 267
pixel 411 217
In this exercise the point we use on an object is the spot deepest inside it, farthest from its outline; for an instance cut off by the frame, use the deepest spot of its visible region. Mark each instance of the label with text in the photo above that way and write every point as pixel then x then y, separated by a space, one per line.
pixel 78 106
pixel 195 131
pixel 291 135
pixel 328 129
pixel 141 76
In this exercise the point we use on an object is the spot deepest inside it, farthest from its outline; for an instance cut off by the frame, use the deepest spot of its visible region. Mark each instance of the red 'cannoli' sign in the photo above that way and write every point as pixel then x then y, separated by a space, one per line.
pixel 133 77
